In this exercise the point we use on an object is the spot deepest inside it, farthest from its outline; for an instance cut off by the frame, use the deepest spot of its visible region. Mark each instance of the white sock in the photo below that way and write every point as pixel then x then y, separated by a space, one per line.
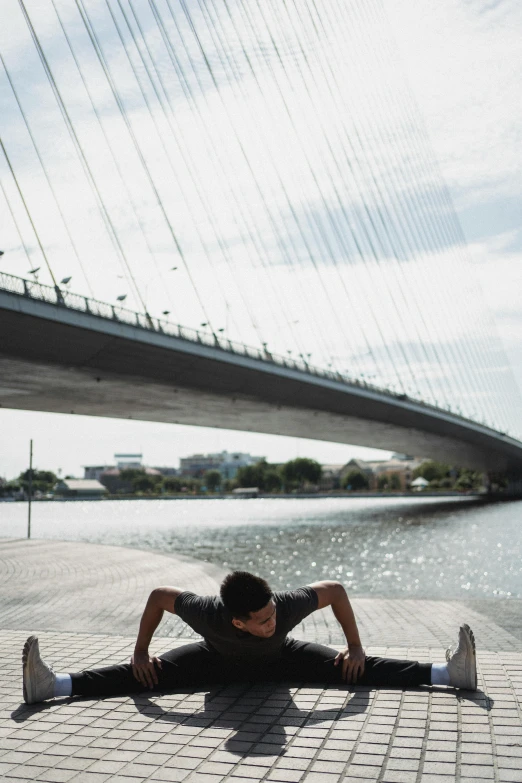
pixel 62 685
pixel 439 674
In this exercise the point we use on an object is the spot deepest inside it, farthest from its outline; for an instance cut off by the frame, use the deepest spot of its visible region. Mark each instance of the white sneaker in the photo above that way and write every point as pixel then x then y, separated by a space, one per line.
pixel 38 677
pixel 462 661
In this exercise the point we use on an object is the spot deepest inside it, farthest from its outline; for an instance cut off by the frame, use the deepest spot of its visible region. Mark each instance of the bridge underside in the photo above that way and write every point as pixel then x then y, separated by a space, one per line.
pixel 57 360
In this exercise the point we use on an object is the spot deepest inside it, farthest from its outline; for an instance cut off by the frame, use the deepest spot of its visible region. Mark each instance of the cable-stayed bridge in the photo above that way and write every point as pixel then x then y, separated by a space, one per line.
pixel 260 174
pixel 70 354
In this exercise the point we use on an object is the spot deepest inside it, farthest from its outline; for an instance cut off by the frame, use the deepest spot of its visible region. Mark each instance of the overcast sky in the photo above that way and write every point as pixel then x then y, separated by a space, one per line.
pixel 463 65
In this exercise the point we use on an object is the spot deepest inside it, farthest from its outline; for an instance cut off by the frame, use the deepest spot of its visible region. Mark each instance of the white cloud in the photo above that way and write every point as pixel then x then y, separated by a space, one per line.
pixel 331 166
pixel 462 60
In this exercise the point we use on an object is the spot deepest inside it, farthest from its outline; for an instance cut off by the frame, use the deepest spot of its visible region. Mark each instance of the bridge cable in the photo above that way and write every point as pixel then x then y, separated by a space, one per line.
pixel 241 204
pixel 428 217
pixel 27 212
pixel 101 58
pixel 292 210
pixel 378 188
pixel 170 117
pixel 352 172
pixel 184 82
pixel 46 173
pixel 232 127
pixel 122 179
pixel 380 205
pixel 87 170
pixel 434 194
pixel 340 235
pixel 281 183
pixel 323 237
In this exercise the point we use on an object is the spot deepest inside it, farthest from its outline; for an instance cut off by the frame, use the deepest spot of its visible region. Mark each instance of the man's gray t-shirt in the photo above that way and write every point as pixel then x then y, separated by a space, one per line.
pixel 207 616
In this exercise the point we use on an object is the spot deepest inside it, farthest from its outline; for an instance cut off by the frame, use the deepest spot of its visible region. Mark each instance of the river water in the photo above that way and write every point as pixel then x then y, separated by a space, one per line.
pixel 431 548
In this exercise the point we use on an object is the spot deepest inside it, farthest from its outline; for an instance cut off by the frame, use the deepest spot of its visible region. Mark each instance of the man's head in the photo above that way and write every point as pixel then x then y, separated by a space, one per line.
pixel 249 600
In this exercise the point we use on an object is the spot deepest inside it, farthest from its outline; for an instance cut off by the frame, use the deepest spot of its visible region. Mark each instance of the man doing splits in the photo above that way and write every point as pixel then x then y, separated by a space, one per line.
pixel 245 638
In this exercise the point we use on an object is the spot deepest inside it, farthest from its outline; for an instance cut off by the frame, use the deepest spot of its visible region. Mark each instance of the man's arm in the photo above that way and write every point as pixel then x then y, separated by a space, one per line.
pixel 161 599
pixel 333 594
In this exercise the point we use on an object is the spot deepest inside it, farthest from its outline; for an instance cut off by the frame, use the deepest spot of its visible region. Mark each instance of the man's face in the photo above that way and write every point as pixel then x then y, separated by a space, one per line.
pixel 261 623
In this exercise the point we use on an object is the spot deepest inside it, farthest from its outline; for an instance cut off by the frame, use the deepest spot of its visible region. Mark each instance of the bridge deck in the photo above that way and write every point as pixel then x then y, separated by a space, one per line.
pixel 53 358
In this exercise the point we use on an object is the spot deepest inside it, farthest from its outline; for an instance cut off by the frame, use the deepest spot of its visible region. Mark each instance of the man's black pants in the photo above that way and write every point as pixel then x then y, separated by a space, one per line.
pixel 197 665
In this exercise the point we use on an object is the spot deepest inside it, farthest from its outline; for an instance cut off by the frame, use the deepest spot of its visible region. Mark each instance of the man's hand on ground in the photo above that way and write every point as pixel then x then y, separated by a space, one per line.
pixel 143 668
pixel 352 659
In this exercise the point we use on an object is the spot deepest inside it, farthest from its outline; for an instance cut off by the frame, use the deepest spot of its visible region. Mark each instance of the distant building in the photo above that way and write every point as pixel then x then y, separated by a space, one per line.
pixel 196 465
pixel 110 475
pixel 419 484
pixel 128 461
pixel 400 464
pixel 358 464
pixel 331 477
pixel 122 461
pixel 226 463
pixel 97 472
pixel 112 479
pixel 166 471
pixel 80 489
pixel 94 471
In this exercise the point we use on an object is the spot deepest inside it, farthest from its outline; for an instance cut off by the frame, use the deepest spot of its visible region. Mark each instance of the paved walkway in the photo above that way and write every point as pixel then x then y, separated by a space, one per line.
pixel 85 602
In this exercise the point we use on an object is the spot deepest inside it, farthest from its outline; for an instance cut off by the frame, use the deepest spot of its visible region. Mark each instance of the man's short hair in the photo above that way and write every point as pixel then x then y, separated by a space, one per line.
pixel 242 593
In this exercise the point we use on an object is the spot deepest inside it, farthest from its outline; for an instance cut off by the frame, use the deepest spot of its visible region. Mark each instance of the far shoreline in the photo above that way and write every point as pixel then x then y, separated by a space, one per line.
pixel 283 496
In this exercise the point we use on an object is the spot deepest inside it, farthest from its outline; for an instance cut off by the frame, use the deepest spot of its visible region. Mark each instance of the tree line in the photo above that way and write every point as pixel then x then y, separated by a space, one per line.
pixel 439 475
pixel 297 475
pixel 43 481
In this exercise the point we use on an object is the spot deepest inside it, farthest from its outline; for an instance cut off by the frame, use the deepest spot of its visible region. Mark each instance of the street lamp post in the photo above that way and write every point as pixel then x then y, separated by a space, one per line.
pixel 146 294
pixel 30 488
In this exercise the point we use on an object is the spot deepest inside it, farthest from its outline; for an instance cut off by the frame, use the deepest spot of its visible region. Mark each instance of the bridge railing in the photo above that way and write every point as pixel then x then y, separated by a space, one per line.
pixel 32 289
pixel 61 297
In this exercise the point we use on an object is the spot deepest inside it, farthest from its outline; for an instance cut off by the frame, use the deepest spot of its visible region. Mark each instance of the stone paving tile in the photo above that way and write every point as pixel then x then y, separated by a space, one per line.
pixel 88 602
pixel 87 575
pixel 306 734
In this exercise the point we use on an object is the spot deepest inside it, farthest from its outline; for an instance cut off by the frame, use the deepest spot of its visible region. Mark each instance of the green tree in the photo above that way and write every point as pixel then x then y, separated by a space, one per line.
pixel 395 481
pixel 10 487
pixel 192 485
pixel 129 474
pixel 42 480
pixel 272 481
pixel 148 485
pixel 463 482
pixel 356 480
pixel 468 479
pixel 172 484
pixel 498 481
pixel 212 480
pixel 431 470
pixel 252 475
pixel 382 482
pixel 301 471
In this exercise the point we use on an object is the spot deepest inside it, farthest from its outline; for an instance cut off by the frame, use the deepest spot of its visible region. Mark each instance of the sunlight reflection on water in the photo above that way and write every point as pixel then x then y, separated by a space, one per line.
pixel 389 547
